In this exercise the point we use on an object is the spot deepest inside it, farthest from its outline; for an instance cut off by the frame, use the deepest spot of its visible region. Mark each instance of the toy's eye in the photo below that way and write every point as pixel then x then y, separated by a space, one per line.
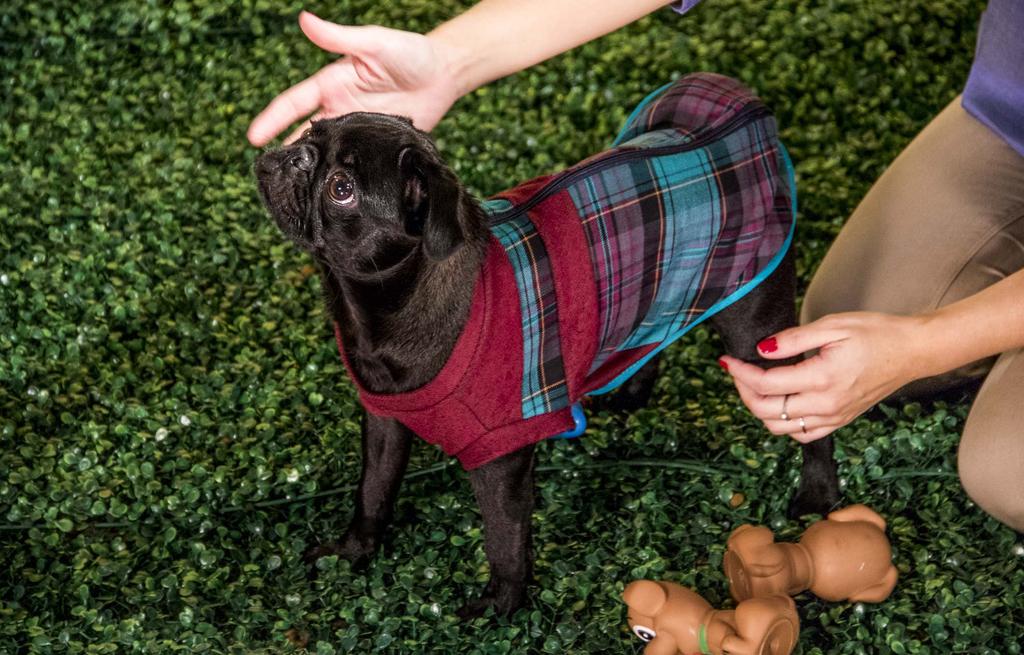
pixel 644 632
pixel 341 189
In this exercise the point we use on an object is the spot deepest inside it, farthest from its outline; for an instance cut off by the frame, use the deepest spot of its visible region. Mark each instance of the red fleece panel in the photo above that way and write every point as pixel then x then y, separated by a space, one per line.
pixel 493 383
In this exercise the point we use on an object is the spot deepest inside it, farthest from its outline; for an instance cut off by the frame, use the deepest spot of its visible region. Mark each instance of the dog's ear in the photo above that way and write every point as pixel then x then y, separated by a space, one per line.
pixel 431 202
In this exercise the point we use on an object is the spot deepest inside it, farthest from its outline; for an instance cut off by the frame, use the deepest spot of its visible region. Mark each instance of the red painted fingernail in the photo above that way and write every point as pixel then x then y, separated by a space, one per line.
pixel 769 345
pixel 724 365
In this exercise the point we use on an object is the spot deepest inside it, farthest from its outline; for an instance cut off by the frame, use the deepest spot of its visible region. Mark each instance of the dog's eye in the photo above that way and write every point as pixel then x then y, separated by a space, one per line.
pixel 340 189
pixel 644 632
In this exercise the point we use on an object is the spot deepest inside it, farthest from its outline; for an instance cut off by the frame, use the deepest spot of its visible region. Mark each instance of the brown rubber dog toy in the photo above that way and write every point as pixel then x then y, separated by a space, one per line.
pixel 845 557
pixel 674 620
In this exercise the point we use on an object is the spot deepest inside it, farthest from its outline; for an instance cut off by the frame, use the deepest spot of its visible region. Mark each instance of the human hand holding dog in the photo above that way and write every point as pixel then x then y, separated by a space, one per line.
pixel 861 358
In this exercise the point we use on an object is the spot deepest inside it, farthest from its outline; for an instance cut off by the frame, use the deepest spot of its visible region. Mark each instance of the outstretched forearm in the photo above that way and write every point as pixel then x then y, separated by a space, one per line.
pixel 420 76
pixel 496 38
pixel 987 323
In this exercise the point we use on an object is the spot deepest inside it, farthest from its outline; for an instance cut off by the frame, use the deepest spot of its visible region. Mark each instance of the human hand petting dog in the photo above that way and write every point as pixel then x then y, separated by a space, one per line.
pixel 862 357
pixel 383 70
pixel 420 76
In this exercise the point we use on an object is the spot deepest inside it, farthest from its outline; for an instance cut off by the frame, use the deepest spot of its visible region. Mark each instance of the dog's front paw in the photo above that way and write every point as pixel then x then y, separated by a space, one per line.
pixel 813 499
pixel 354 547
pixel 504 597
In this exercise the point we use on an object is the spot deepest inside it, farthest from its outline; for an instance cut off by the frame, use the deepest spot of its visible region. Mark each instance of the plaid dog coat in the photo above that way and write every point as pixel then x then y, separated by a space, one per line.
pixel 594 270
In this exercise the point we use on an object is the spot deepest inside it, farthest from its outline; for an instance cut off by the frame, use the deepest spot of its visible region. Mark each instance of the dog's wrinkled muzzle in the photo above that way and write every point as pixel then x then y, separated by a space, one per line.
pixel 283 177
pixel 296 159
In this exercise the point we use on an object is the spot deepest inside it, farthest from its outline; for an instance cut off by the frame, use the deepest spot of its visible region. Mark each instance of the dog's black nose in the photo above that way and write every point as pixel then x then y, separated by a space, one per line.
pixel 302 157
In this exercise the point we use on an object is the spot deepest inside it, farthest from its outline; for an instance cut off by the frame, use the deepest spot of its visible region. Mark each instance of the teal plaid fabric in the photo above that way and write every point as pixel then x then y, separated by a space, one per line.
pixel 691 204
pixel 544 385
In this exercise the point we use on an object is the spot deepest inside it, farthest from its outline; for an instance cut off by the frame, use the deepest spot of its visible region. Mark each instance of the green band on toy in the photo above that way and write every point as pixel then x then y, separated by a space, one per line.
pixel 702 640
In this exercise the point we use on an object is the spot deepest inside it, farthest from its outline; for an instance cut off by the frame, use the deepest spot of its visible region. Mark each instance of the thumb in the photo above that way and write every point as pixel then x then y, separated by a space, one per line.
pixel 340 39
pixel 799 339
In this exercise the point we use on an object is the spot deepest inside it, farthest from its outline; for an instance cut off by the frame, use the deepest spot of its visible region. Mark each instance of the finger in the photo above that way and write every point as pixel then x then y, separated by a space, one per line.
pixel 342 39
pixel 763 407
pixel 809 403
pixel 800 339
pixel 808 375
pixel 814 435
pixel 301 129
pixel 768 409
pixel 822 407
pixel 792 427
pixel 291 105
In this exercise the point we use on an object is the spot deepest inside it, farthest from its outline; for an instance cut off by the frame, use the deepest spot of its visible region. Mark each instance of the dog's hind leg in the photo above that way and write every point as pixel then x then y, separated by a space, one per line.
pixel 504 490
pixel 770 308
pixel 386 444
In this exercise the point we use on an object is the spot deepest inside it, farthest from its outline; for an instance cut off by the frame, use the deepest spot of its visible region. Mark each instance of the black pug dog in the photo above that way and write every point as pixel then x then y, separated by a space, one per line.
pixel 400 244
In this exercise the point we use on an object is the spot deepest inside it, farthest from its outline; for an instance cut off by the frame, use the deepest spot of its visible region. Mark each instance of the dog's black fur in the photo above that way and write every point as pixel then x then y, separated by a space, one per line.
pixel 400 244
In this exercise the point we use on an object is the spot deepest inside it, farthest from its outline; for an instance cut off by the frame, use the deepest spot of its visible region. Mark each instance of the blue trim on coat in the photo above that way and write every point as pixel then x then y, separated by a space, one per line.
pixel 636 112
pixel 579 419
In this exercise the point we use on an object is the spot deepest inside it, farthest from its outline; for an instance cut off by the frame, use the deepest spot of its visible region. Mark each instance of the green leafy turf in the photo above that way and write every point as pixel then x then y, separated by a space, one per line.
pixel 170 393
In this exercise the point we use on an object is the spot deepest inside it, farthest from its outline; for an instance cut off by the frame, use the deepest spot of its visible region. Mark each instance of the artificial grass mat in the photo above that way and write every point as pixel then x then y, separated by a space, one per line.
pixel 176 428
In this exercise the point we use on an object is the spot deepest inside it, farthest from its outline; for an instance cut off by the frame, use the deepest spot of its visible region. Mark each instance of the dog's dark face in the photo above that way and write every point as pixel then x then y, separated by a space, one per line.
pixel 363 192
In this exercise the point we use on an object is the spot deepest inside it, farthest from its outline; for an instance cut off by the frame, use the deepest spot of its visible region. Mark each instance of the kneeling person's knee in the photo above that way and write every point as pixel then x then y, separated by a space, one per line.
pixel 993 480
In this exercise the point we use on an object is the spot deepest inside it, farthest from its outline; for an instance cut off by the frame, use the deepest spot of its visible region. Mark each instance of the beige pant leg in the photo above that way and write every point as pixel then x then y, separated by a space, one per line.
pixel 944 221
pixel 991 457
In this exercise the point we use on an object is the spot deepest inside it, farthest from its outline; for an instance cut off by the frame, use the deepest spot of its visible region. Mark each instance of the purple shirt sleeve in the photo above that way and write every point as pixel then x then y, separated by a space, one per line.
pixel 683 6
pixel 995 88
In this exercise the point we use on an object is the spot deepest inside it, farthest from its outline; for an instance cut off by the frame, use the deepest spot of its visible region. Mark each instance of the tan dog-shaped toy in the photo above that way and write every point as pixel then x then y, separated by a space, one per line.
pixel 676 621
pixel 846 557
